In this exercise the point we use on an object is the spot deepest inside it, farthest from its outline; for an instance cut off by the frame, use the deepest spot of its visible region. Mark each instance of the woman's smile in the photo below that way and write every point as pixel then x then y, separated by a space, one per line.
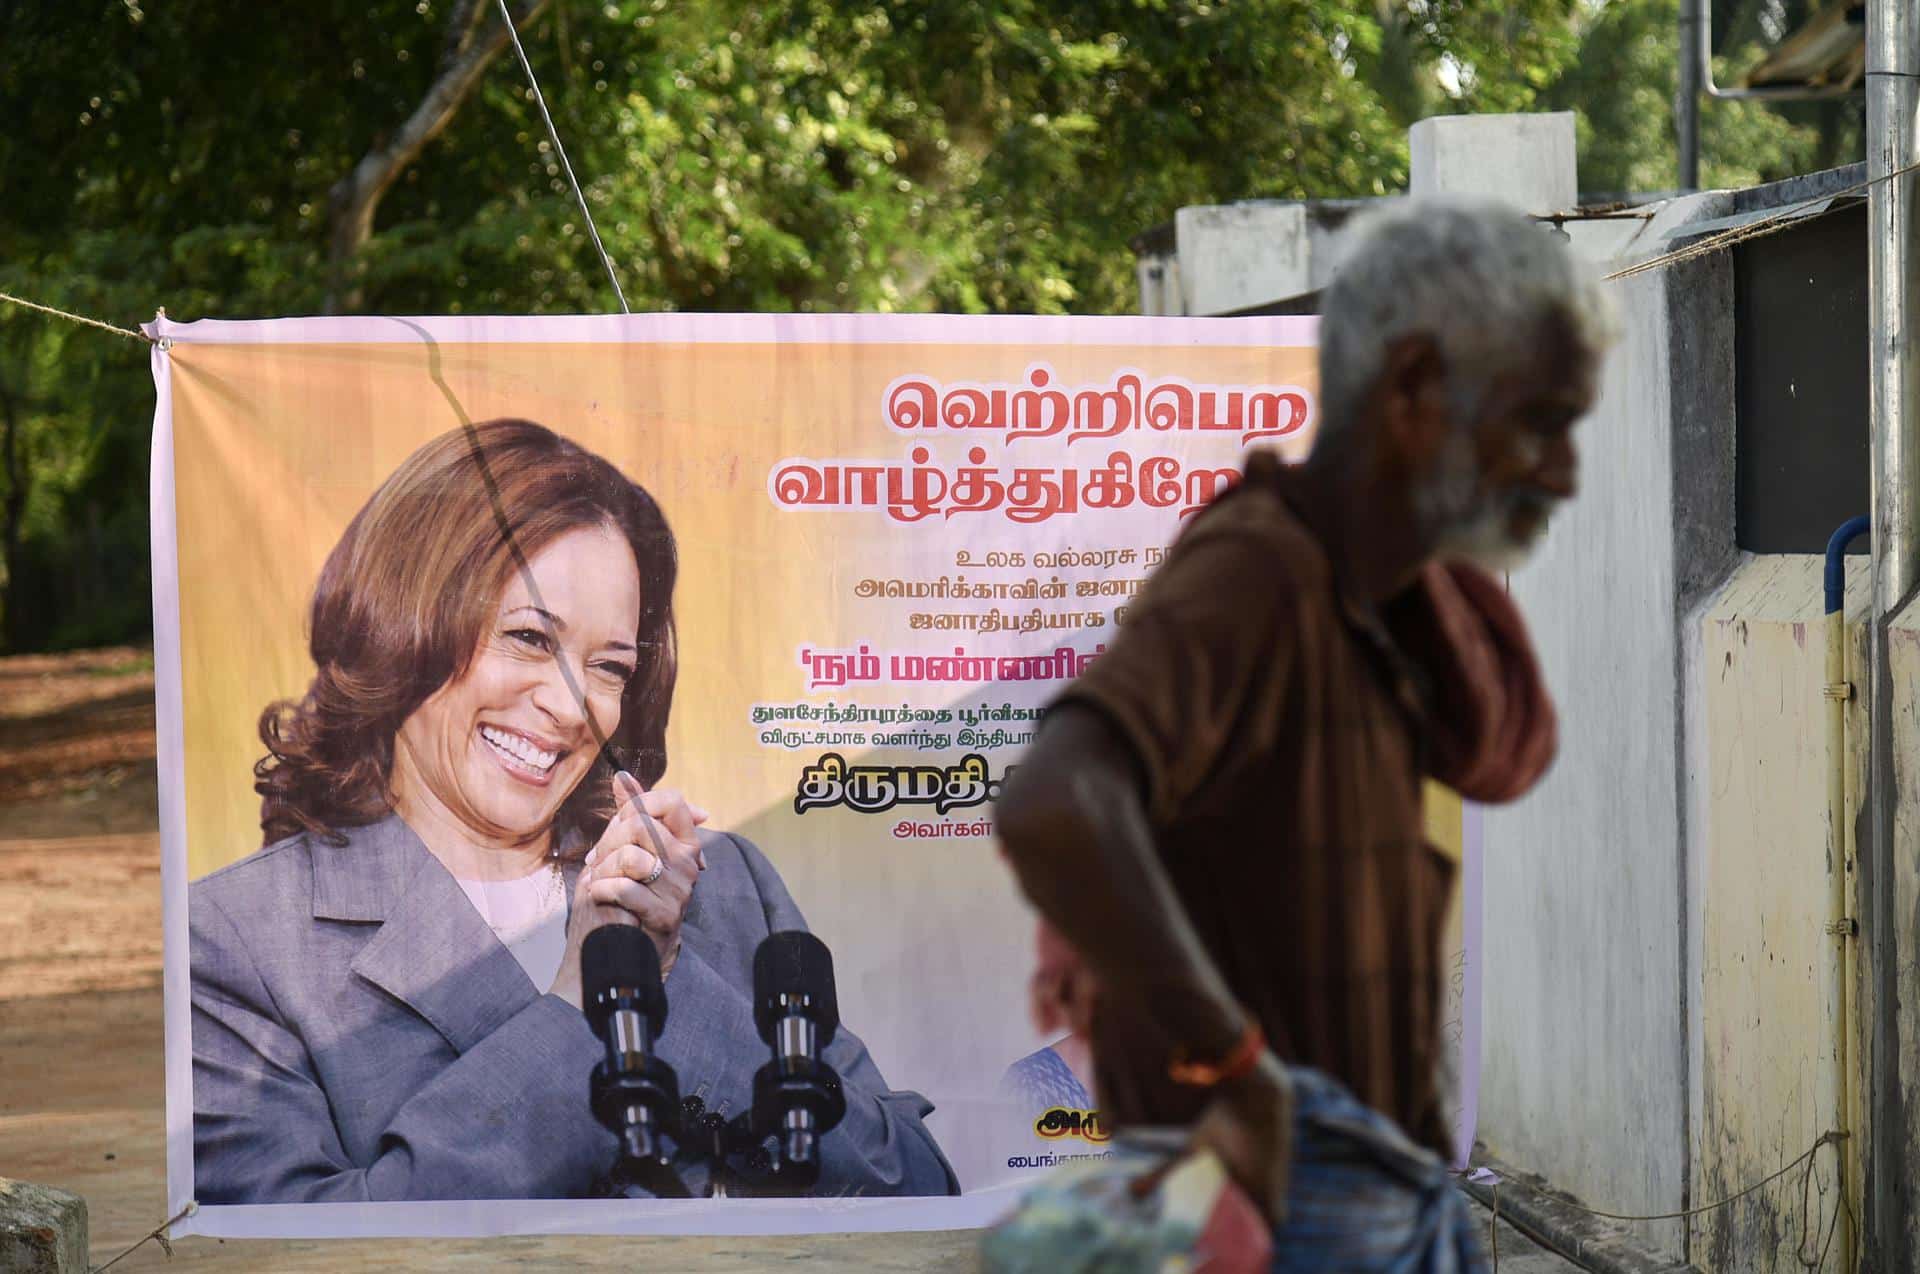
pixel 521 755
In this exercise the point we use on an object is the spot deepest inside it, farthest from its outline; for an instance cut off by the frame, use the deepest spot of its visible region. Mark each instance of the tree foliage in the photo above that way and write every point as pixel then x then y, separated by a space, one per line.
pixel 959 155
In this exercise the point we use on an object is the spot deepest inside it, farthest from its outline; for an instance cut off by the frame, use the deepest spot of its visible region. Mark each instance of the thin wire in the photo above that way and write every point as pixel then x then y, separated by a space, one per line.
pixel 1800 1248
pixel 158 1232
pixel 1826 1138
pixel 1853 1224
pixel 1814 1149
pixel 1767 225
pixel 71 317
pixel 553 135
pixel 1799 1251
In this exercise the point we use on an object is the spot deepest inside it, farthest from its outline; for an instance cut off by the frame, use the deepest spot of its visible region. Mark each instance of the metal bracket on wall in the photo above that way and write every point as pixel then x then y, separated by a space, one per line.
pixel 1701 14
pixel 1696 80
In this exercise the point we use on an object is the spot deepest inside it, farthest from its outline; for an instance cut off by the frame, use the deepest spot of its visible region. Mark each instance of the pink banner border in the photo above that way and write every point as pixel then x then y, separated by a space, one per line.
pixel 749 329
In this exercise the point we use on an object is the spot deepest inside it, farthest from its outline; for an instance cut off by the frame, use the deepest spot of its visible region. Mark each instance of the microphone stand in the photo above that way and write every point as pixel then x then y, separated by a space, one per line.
pixel 797 1097
pixel 633 1178
pixel 733 1151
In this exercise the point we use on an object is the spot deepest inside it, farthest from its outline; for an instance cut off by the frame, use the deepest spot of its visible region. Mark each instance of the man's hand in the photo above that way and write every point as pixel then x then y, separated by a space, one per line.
pixel 1073 823
pixel 1249 1125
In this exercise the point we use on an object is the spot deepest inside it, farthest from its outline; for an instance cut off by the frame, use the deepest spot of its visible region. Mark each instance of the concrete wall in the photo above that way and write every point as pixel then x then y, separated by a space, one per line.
pixel 1660 1010
pixel 1239 255
pixel 1657 1006
pixel 1586 1041
pixel 1222 258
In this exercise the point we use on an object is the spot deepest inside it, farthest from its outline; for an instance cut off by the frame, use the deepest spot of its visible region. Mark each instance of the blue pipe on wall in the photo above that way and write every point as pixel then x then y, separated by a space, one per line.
pixel 1850 530
pixel 1840 900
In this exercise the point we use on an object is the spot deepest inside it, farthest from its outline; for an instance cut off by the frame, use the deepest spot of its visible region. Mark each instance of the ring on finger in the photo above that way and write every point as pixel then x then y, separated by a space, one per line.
pixel 659 870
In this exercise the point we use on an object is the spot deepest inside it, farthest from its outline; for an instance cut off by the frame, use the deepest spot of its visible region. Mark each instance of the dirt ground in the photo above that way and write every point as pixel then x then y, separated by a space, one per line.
pixel 82 1105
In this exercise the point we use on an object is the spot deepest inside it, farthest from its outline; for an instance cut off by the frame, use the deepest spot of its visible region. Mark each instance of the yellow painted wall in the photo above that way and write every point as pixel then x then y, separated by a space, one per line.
pixel 1768 1077
pixel 1446 830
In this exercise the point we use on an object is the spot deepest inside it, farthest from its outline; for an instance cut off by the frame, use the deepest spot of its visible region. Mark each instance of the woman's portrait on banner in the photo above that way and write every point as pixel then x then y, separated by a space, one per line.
pixel 387 993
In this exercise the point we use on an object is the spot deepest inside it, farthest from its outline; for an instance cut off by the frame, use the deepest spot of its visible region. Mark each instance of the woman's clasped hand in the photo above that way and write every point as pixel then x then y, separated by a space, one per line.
pixel 642 871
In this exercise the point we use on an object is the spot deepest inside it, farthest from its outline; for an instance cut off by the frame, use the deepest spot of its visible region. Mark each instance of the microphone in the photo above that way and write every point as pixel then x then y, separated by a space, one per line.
pixel 634 1092
pixel 796 1097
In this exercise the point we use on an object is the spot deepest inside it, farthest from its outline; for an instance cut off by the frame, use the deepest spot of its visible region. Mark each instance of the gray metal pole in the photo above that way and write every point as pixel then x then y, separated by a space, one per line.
pixel 1686 106
pixel 1893 272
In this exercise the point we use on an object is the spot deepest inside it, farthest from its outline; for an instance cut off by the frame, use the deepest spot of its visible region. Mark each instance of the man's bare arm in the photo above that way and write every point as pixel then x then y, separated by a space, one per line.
pixel 1075 827
pixel 1074 824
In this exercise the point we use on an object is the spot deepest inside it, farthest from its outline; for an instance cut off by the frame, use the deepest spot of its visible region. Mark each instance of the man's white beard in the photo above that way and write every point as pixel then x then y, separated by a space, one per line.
pixel 1486 539
pixel 1466 526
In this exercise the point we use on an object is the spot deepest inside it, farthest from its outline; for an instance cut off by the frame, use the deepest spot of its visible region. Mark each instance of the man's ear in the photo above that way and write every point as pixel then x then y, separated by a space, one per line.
pixel 1413 403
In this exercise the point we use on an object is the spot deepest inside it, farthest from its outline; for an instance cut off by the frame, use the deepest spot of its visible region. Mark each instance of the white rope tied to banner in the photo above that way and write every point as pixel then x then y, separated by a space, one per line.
pixel 158 1234
pixel 71 317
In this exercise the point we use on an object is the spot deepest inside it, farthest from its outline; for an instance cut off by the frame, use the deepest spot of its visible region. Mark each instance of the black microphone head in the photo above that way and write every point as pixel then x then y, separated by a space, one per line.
pixel 620 960
pixel 794 963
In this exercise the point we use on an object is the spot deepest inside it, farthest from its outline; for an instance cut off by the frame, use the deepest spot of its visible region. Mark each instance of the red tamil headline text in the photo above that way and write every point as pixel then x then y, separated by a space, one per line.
pixel 920 486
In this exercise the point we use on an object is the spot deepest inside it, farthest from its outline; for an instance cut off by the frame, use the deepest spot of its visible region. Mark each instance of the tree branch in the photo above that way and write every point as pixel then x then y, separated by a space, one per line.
pixel 471 46
pixel 463 24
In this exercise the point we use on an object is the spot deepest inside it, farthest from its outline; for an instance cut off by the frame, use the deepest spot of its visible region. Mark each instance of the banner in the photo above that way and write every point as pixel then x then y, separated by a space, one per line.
pixel 422 586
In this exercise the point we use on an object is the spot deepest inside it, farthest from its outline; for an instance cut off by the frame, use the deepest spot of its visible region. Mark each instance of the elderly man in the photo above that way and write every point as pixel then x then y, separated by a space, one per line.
pixel 1223 819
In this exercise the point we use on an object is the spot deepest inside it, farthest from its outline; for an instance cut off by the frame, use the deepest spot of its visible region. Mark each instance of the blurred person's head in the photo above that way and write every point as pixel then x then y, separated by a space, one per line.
pixel 1460 342
pixel 500 608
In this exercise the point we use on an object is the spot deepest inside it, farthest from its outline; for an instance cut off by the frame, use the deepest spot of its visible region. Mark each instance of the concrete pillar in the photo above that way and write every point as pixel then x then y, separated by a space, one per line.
pixel 42 1230
pixel 1527 160
pixel 1232 256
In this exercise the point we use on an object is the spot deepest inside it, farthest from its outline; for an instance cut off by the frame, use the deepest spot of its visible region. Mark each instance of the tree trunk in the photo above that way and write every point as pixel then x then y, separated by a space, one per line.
pixel 475 37
pixel 1403 84
pixel 13 510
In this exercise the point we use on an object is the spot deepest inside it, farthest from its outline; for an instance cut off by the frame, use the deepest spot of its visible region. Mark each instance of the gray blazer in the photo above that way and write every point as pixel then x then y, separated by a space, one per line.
pixel 360 1034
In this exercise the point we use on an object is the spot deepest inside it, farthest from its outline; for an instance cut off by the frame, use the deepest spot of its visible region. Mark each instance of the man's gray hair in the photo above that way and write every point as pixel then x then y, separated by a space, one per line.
pixel 1477 276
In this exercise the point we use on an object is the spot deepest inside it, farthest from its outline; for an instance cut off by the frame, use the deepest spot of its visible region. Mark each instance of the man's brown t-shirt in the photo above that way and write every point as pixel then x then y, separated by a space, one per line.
pixel 1278 731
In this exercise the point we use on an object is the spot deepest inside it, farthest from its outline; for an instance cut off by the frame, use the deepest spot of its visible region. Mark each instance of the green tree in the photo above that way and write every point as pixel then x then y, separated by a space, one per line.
pixel 961 155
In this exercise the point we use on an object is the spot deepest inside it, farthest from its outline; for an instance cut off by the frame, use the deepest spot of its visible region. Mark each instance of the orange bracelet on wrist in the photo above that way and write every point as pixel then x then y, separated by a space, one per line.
pixel 1241 1061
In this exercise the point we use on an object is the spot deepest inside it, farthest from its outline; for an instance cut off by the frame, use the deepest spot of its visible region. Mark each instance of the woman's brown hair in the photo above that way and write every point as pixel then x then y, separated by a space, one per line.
pixel 406 594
